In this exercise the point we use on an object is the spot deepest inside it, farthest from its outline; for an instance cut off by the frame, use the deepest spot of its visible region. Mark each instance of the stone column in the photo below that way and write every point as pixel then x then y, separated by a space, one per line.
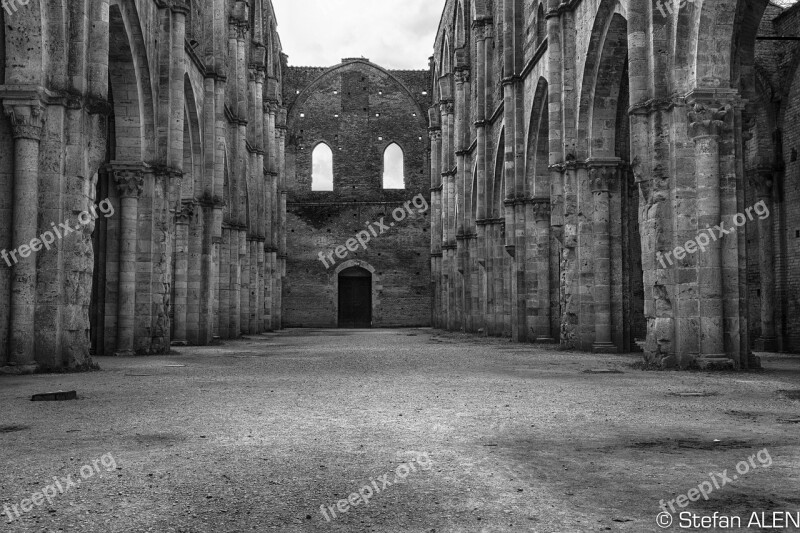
pixel 176 85
pixel 768 341
pixel 446 109
pixel 235 303
pixel 195 277
pixel 26 122
pixel 262 280
pixel 244 259
pixel 130 183
pixel 706 126
pixel 182 220
pixel 541 322
pixel 280 140
pixel 599 179
pixel 225 284
pixel 252 252
pixel 436 220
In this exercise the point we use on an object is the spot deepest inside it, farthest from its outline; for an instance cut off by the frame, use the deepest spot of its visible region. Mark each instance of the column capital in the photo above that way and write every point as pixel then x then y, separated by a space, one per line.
pixel 707 120
pixel 241 31
pixel 185 213
pixel 483 28
pixel 26 117
pixel 541 209
pixel 270 107
pixel 600 178
pixel 179 6
pixel 447 108
pixel 129 178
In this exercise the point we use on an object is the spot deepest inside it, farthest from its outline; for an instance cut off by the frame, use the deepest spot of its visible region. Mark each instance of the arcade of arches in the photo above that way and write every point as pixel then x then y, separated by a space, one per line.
pixel 575 151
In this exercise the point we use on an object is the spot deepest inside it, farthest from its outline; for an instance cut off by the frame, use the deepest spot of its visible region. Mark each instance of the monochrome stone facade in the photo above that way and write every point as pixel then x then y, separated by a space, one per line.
pixel 575 150
pixel 173 111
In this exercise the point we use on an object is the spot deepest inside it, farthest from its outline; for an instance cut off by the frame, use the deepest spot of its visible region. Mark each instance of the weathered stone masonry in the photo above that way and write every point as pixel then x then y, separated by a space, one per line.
pixel 567 149
pixel 358 109
pixel 576 143
pixel 173 110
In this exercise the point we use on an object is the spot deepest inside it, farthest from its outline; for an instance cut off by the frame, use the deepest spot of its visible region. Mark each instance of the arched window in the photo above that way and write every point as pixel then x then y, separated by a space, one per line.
pixel 322 168
pixel 393 168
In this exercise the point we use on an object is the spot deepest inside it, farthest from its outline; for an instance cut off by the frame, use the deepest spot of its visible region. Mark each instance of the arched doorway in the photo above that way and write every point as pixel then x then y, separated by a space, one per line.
pixel 355 298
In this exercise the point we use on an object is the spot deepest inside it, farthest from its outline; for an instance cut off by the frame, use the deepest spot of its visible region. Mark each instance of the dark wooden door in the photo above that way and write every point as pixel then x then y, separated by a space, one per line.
pixel 355 301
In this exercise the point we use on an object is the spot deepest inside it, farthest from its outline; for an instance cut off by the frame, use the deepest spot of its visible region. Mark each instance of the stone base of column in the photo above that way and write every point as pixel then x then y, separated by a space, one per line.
pixel 18 370
pixel 767 344
pixel 716 362
pixel 179 343
pixel 604 347
pixel 125 353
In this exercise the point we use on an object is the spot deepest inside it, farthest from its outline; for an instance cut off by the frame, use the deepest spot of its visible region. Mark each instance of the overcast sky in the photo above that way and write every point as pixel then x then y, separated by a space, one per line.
pixel 396 34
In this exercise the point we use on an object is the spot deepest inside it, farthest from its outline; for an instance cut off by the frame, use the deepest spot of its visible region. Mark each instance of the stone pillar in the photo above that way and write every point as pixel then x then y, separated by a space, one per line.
pixel 176 84
pixel 705 128
pixel 26 122
pixel 234 310
pixel 541 321
pixel 262 279
pixel 768 341
pixel 252 289
pixel 130 183
pixel 599 180
pixel 195 277
pixel 225 284
pixel 244 258
pixel 182 221
pixel 436 220
pixel 448 180
pixel 280 140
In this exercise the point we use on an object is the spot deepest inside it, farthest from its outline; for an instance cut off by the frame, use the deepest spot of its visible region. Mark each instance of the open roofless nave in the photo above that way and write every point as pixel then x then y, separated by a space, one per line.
pixel 609 176
pixel 562 191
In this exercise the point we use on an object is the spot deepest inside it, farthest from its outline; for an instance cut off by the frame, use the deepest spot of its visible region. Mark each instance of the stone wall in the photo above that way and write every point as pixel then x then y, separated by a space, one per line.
pixel 568 161
pixel 172 111
pixel 772 168
pixel 358 110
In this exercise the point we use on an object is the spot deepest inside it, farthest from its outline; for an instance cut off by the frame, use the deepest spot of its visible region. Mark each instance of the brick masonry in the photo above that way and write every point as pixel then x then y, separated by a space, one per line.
pixel 358 109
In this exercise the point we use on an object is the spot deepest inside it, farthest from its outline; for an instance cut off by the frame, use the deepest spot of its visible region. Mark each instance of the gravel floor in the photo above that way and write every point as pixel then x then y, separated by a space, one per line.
pixel 448 433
